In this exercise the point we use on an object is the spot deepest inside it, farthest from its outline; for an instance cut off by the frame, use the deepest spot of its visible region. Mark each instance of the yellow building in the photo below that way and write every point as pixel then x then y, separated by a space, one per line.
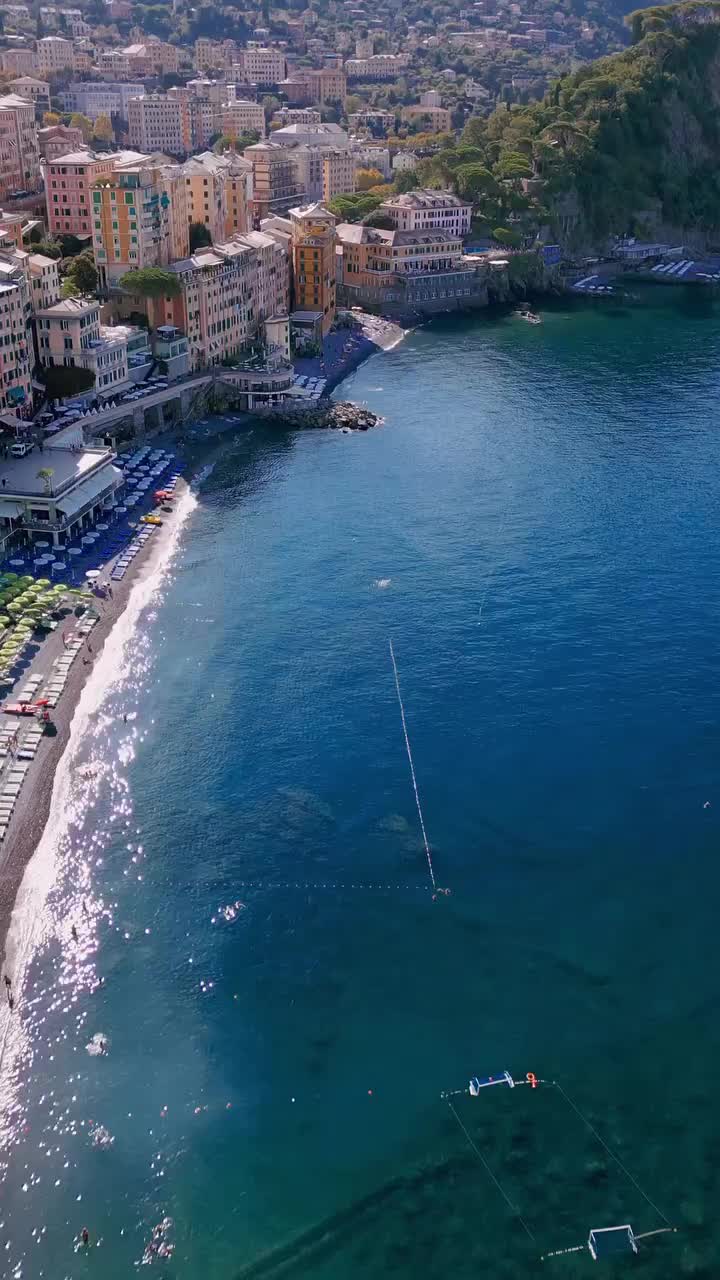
pixel 139 219
pixel 313 256
pixel 338 173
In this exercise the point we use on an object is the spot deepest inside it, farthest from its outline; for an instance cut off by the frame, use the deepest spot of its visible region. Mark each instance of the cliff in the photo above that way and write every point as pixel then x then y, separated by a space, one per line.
pixel 630 143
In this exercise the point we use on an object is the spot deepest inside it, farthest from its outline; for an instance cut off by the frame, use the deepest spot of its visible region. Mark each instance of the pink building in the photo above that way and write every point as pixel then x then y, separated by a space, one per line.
pixel 68 188
pixel 58 139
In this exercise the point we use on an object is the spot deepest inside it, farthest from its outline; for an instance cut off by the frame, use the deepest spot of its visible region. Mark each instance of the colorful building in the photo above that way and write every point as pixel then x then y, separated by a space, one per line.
pixel 139 219
pixel 69 333
pixel 69 185
pixel 16 348
pixel 19 155
pixel 338 170
pixel 313 254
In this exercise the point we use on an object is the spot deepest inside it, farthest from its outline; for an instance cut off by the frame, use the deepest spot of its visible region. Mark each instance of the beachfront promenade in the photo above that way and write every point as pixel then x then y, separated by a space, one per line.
pixel 254 389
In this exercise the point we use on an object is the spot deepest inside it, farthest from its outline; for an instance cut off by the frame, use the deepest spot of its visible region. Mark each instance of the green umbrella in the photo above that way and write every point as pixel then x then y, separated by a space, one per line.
pixel 11 577
pixel 44 582
pixel 4 620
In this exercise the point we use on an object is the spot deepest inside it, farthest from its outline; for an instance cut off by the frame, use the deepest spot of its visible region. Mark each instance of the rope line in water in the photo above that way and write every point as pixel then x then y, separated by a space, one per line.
pixel 292 884
pixel 612 1155
pixel 488 1170
pixel 428 855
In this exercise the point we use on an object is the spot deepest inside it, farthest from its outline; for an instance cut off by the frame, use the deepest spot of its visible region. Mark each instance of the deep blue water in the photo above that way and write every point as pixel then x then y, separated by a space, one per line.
pixel 544 503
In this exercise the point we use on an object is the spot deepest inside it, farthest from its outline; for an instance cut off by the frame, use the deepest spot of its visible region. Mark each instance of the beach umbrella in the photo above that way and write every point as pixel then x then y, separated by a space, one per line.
pixel 26 578
pixel 10 577
pixel 4 620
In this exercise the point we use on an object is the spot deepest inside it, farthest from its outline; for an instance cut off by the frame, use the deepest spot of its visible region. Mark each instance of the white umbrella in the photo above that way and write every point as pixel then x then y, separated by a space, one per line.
pixel 92 574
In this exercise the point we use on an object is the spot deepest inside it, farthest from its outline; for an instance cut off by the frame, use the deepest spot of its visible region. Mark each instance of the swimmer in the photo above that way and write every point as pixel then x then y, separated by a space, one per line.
pixel 125 718
pixel 85 1236
pixel 7 981
pixel 85 908
pixel 74 933
pixel 706 804
pixel 11 1001
pixel 102 1046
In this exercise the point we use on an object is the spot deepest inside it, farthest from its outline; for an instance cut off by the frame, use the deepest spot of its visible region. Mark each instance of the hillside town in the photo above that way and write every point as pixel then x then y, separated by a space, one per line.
pixel 185 192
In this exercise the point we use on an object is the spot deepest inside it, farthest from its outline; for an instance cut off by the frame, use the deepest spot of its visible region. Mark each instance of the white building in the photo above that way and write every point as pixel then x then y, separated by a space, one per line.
pixel 261 66
pixel 35 91
pixel 381 66
pixel 429 210
pixel 54 54
pixel 94 100
pixel 240 116
pixel 83 483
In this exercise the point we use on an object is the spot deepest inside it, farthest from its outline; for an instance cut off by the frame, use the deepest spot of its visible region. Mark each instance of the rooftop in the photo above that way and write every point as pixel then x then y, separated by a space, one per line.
pixel 68 468
pixel 424 199
pixel 71 307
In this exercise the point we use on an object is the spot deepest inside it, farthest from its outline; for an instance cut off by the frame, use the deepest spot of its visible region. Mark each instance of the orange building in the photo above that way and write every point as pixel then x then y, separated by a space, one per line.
pixel 313 256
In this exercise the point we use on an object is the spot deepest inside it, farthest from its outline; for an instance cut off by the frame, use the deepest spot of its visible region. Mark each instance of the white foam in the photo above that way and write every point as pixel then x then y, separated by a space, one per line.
pixel 29 923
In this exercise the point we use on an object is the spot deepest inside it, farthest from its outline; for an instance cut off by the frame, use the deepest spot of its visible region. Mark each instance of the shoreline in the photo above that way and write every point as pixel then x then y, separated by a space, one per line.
pixel 32 811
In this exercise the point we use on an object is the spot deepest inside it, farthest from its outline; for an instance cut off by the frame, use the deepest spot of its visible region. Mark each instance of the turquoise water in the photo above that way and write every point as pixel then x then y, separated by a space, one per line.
pixel 541 508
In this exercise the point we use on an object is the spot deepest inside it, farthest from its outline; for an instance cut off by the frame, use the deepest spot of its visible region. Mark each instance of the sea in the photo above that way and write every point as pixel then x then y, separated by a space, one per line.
pixel 263 1033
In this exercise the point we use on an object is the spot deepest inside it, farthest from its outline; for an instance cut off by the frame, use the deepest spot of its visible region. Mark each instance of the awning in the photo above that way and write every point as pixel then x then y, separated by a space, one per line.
pixel 89 489
pixel 11 510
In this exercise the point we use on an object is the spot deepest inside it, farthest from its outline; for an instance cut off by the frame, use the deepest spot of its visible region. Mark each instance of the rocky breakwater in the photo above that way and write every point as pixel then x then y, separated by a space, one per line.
pixel 332 415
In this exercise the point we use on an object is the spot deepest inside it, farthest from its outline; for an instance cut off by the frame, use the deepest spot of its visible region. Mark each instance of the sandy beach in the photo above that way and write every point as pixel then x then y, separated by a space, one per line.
pixel 33 805
pixel 346 352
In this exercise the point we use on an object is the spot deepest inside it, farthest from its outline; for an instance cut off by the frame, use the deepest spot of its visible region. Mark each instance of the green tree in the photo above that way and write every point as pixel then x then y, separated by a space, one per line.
pixel 82 276
pixel 49 248
pixel 199 236
pixel 46 474
pixel 151 282
pixel 50 118
pixel 103 130
pixel 66 380
pixel 474 181
pixel 79 121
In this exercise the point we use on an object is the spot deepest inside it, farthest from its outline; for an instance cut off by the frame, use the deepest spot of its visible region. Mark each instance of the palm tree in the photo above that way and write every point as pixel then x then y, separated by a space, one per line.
pixel 46 474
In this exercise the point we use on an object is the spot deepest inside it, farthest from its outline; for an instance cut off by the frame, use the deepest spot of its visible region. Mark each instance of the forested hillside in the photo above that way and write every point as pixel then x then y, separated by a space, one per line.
pixel 627 141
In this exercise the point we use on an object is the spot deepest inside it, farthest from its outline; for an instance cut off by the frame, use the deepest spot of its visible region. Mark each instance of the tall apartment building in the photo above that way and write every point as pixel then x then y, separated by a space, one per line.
pixel 16 350
pixel 19 155
pixel 217 193
pixel 313 251
pixel 226 293
pixel 69 184
pixel 338 173
pixel 212 55
pixel 275 182
pixel 54 54
pixel 139 218
pixel 423 210
pixel 240 116
pixel 43 277
pixel 216 304
pixel 261 66
pixel 94 99
pixel 327 85
pixel 272 284
pixel 238 195
pixel 160 122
